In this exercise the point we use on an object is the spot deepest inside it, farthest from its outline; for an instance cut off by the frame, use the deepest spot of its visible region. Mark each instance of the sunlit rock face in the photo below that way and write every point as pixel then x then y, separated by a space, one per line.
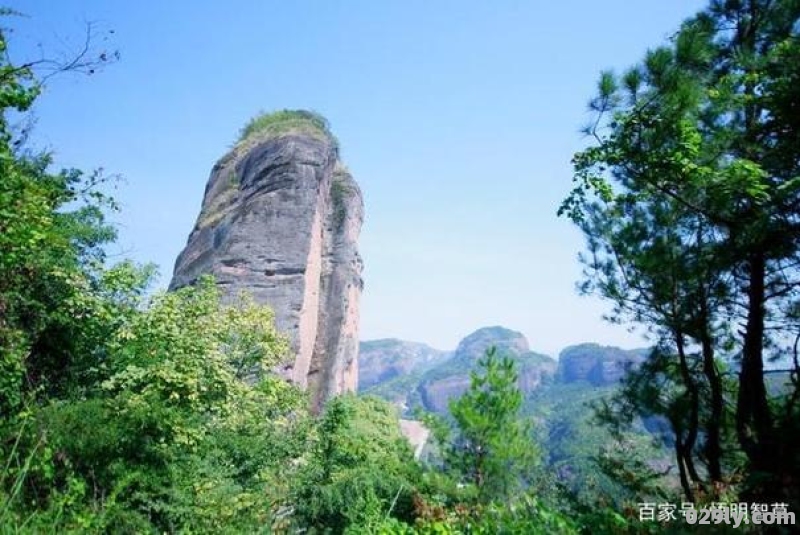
pixel 280 219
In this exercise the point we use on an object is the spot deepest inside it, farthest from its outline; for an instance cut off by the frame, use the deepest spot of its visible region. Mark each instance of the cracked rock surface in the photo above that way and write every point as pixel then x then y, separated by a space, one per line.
pixel 280 219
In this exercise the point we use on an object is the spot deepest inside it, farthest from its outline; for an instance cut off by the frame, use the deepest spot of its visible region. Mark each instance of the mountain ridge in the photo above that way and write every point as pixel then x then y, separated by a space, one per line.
pixel 391 372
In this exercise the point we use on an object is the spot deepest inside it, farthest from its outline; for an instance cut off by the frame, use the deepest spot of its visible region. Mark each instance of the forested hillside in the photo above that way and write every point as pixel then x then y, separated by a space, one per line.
pixel 559 399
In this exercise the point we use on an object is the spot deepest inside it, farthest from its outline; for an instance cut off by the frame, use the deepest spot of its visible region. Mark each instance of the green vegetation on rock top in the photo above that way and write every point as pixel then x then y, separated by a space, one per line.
pixel 281 122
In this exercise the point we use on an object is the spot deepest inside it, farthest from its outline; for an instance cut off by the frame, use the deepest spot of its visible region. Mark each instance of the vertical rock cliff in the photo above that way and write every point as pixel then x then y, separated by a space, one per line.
pixel 280 219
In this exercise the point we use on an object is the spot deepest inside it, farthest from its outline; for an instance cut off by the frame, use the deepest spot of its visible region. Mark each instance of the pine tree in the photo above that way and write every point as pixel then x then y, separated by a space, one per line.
pixel 493 449
pixel 690 201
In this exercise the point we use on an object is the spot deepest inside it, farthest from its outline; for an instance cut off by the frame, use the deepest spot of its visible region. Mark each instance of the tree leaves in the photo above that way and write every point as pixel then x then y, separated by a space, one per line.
pixel 691 208
pixel 493 446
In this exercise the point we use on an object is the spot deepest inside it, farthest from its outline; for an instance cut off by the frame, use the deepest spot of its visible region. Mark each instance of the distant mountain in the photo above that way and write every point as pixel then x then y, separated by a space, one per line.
pixel 505 340
pixel 451 378
pixel 596 364
pixel 382 360
pixel 412 375
pixel 558 395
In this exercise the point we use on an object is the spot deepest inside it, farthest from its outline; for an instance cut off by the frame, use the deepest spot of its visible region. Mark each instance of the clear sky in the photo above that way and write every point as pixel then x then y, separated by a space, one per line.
pixel 457 118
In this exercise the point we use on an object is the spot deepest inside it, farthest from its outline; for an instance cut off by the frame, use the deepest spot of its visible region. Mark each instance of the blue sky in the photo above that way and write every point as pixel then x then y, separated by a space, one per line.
pixel 457 118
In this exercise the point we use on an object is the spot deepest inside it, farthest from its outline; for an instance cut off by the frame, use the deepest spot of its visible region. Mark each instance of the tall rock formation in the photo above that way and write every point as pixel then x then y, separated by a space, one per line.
pixel 280 219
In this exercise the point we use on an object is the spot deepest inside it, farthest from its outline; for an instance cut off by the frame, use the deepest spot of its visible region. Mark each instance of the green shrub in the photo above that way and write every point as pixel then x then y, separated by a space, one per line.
pixel 284 122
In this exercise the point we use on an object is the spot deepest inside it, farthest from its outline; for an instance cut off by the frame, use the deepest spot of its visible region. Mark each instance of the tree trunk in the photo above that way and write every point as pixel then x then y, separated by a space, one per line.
pixel 694 416
pixel 680 457
pixel 753 418
pixel 713 447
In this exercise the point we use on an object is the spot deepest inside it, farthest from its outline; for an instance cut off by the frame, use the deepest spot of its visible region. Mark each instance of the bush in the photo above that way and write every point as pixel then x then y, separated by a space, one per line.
pixel 287 121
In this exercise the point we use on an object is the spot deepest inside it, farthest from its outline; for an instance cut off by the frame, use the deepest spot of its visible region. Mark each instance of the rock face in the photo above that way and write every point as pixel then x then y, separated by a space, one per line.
pixel 416 433
pixel 597 364
pixel 452 378
pixel 505 340
pixel 383 360
pixel 280 219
